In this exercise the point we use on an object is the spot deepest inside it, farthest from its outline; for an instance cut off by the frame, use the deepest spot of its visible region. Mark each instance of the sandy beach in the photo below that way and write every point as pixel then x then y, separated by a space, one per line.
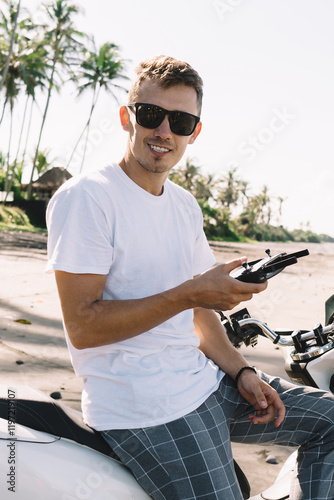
pixel 33 349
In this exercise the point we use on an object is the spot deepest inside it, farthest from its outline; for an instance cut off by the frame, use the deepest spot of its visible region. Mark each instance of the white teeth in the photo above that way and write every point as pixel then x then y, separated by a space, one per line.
pixel 158 149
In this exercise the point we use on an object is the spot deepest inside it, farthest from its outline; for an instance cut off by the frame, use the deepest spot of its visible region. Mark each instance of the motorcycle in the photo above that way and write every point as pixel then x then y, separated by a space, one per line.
pixel 309 360
pixel 47 451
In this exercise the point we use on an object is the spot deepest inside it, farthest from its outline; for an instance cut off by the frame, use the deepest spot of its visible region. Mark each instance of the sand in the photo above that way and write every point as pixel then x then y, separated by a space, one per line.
pixel 33 350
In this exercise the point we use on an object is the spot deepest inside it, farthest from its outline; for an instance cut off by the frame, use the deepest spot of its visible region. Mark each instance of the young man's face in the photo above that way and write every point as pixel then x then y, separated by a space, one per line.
pixel 158 150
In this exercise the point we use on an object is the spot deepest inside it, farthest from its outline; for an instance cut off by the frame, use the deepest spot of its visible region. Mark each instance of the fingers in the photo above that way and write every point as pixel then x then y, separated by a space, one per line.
pixel 243 287
pixel 264 399
pixel 267 415
pixel 216 289
pixel 263 416
pixel 234 264
pixel 276 403
pixel 280 410
pixel 272 412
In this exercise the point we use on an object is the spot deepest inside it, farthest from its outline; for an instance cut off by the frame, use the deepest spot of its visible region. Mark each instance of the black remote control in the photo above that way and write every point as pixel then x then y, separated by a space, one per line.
pixel 261 270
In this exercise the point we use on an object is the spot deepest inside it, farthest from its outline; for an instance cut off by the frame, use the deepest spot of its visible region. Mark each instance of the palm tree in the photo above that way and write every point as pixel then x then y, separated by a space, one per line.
pixel 258 211
pixel 2 173
pixel 265 205
pixel 99 69
pixel 62 41
pixel 6 50
pixel 244 185
pixel 12 90
pixel 188 176
pixel 281 200
pixel 203 188
pixel 14 14
pixel 25 69
pixel 43 163
pixel 34 76
pixel 230 188
pixel 9 54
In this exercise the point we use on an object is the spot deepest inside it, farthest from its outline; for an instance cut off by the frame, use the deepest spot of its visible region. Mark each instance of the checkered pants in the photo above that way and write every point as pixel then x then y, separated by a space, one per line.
pixel 191 458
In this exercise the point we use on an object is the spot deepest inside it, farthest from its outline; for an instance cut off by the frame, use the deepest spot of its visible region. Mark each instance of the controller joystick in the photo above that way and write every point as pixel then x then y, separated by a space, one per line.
pixel 261 270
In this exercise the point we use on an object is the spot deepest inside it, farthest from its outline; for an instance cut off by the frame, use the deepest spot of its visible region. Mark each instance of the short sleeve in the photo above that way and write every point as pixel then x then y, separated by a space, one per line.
pixel 78 233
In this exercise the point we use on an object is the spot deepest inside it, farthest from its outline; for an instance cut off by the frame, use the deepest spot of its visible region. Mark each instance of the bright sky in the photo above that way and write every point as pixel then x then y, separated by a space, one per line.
pixel 268 71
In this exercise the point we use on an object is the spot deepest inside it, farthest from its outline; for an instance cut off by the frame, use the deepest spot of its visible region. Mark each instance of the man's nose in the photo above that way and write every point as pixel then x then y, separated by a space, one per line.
pixel 163 130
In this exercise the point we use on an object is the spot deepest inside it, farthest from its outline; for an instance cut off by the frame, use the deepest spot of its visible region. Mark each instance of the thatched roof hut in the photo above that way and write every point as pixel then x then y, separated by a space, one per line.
pixel 48 183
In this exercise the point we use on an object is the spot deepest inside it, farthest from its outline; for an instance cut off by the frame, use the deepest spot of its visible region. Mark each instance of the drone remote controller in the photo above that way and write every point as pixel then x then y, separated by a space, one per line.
pixel 261 270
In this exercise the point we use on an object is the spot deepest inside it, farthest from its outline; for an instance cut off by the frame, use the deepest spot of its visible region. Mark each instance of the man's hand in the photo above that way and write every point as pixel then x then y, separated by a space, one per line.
pixel 216 289
pixel 265 400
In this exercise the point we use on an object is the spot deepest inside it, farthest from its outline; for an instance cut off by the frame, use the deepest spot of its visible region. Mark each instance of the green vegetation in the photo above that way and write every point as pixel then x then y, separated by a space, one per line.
pixel 14 219
pixel 231 213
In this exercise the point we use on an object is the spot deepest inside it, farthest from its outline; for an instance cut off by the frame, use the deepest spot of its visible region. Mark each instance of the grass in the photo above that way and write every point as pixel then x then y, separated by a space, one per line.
pixel 15 219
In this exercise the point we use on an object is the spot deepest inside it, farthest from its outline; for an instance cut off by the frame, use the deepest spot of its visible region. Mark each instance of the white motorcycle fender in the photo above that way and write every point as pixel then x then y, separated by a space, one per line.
pixel 280 490
pixel 322 370
pixel 39 466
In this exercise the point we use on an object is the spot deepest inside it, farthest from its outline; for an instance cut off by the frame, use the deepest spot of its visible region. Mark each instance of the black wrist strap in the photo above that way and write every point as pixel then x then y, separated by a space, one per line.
pixel 252 368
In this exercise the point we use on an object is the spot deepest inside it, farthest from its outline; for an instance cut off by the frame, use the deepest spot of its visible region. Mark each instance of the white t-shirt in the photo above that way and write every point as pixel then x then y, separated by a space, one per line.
pixel 104 223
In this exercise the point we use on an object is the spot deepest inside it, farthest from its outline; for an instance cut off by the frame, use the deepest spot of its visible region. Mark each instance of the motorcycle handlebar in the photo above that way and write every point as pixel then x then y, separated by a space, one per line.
pixel 276 338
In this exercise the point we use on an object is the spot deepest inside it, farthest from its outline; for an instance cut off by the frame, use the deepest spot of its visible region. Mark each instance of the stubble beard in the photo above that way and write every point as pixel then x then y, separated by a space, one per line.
pixel 157 168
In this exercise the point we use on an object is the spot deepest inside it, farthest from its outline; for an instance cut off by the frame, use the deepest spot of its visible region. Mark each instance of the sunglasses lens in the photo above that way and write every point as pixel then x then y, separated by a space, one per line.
pixel 150 116
pixel 182 123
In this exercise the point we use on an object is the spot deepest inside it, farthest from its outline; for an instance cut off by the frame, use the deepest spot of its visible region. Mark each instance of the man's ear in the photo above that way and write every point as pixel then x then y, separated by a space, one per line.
pixel 195 133
pixel 124 116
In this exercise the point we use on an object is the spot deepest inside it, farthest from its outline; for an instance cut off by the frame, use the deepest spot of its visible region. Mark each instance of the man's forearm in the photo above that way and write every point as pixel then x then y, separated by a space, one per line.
pixel 215 344
pixel 91 321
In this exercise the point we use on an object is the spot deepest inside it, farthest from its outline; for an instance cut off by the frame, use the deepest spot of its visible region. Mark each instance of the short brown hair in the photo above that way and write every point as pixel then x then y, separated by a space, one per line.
pixel 168 72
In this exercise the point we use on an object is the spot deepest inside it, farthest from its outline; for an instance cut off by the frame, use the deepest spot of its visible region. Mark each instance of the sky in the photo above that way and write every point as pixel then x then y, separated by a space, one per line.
pixel 268 106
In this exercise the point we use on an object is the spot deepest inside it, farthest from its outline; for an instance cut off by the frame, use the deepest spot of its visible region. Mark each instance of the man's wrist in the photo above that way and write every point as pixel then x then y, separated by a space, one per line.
pixel 240 372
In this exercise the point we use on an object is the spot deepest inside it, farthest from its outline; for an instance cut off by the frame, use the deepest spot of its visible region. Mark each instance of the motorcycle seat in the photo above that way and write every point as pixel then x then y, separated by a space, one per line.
pixel 36 410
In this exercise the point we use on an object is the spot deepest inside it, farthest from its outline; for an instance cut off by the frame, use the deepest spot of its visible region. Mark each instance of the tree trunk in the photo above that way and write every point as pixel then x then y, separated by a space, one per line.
pixel 3 109
pixel 83 131
pixel 28 132
pixel 10 183
pixel 12 38
pixel 87 133
pixel 54 62
pixel 7 180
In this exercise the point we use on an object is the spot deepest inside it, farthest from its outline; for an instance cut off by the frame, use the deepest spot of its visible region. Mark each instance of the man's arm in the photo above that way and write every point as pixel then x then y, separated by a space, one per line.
pixel 215 344
pixel 91 321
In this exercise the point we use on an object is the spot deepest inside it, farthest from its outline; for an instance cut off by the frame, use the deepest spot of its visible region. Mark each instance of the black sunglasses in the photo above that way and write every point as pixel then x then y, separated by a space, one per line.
pixel 151 116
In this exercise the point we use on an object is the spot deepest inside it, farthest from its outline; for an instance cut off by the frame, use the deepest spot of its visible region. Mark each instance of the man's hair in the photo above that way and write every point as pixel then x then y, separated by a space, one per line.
pixel 167 72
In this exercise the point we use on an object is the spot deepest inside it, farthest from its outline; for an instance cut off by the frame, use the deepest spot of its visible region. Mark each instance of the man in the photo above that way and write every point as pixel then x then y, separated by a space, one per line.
pixel 138 293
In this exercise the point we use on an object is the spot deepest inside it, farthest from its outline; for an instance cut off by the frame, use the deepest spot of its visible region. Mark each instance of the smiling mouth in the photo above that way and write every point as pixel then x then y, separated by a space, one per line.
pixel 159 149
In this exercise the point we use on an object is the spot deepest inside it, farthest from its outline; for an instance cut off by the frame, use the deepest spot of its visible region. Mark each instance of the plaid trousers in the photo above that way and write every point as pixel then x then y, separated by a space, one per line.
pixel 190 458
